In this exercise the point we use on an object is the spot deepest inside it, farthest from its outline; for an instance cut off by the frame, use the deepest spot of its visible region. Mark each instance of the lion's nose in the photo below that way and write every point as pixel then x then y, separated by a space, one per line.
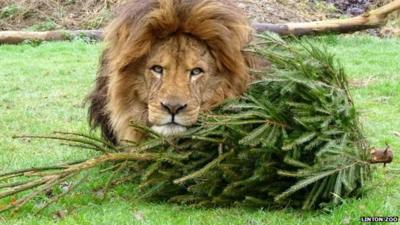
pixel 172 107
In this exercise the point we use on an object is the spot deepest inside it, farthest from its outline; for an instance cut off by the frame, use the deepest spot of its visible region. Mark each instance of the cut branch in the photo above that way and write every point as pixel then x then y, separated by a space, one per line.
pixel 372 19
pixel 382 155
pixel 44 179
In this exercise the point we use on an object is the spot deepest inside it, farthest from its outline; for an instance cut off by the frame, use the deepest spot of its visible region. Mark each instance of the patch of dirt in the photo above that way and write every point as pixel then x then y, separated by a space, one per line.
pixel 279 11
pixel 92 14
pixel 40 15
pixel 352 7
pixel 54 14
pixel 361 83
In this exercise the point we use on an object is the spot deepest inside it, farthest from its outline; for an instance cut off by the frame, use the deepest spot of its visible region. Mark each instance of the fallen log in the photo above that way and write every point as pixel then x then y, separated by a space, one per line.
pixel 372 19
pixel 16 37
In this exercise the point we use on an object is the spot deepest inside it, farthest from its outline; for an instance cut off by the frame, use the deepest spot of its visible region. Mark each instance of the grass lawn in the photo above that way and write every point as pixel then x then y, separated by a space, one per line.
pixel 41 91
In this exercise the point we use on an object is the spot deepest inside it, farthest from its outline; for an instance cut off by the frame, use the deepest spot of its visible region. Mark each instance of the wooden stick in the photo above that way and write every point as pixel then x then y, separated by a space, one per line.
pixel 16 37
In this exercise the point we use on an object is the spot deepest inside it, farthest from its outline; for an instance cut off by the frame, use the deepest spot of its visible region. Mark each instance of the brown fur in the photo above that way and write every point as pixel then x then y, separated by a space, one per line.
pixel 212 31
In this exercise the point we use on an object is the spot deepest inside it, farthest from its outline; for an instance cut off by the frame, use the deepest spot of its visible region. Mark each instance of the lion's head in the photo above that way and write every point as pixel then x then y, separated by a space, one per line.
pixel 166 61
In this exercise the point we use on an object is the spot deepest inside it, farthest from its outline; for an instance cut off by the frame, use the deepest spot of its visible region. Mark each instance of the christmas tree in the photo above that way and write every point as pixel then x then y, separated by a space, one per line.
pixel 293 139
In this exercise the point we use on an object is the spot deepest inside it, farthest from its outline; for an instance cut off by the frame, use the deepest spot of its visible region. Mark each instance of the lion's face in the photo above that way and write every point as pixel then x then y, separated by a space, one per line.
pixel 178 73
pixel 166 61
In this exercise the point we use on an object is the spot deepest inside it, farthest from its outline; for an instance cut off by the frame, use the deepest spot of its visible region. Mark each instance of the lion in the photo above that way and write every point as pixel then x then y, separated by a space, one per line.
pixel 167 61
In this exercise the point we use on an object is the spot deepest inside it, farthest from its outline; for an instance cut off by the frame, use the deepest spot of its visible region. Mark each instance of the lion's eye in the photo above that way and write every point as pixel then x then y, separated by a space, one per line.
pixel 157 69
pixel 196 71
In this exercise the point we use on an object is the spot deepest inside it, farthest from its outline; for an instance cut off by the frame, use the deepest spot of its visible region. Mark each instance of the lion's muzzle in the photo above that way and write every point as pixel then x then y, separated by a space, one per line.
pixel 172 116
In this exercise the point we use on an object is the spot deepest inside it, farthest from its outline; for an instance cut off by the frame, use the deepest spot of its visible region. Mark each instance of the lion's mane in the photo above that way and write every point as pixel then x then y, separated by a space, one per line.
pixel 138 26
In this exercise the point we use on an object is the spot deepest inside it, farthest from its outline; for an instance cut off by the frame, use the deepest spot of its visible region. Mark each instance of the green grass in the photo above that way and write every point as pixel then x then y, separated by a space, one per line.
pixel 42 90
